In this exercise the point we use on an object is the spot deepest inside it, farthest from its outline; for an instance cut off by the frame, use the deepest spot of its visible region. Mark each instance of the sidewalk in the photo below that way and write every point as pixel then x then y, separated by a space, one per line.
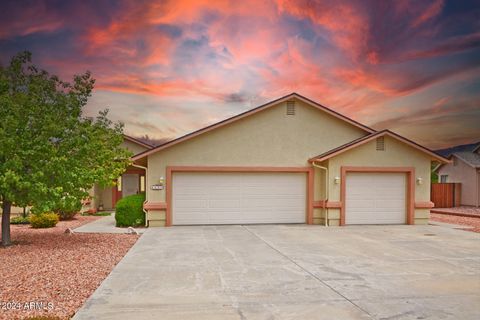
pixel 104 225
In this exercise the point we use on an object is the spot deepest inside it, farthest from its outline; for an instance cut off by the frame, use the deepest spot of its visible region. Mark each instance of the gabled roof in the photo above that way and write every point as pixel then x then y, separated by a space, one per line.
pixel 358 142
pixel 141 143
pixel 477 148
pixel 248 113
pixel 470 158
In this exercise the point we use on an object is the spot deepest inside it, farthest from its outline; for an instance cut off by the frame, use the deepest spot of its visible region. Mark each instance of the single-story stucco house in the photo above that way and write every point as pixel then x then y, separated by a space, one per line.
pixel 131 182
pixel 291 160
pixel 465 169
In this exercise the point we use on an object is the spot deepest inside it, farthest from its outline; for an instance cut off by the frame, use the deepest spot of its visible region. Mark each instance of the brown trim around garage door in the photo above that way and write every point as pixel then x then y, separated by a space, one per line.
pixel 172 169
pixel 409 171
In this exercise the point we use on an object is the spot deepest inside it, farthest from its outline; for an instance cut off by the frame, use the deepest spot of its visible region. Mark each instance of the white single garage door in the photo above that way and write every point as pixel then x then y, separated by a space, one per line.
pixel 375 198
pixel 238 198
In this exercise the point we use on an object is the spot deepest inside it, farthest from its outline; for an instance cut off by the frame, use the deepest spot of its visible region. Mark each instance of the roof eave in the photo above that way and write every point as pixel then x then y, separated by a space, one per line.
pixel 141 143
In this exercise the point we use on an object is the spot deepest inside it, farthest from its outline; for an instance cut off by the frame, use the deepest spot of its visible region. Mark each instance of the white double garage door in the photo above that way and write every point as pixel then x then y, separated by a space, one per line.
pixel 202 198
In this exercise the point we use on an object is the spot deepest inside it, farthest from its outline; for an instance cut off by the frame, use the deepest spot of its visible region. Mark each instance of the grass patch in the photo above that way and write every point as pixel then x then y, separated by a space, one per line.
pixel 97 214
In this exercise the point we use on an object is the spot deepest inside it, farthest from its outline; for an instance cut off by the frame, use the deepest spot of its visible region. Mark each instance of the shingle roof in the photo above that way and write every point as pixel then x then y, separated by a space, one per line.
pixel 472 159
pixel 477 148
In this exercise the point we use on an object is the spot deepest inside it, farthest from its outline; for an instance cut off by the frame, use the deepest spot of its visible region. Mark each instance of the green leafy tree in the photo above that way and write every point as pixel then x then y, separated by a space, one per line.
pixel 50 153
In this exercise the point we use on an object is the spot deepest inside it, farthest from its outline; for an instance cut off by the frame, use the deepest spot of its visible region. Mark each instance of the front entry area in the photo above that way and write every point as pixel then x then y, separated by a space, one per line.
pixel 203 198
pixel 129 183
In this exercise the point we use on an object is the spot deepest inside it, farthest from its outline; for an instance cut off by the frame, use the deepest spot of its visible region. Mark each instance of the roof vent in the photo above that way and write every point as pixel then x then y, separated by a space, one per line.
pixel 381 143
pixel 290 108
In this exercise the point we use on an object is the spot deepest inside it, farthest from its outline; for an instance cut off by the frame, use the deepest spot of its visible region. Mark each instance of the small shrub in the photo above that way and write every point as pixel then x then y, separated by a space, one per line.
pixel 66 215
pixel 68 208
pixel 20 220
pixel 44 220
pixel 129 213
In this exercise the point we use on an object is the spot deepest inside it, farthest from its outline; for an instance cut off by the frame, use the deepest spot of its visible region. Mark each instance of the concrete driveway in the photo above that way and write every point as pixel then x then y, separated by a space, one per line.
pixel 294 272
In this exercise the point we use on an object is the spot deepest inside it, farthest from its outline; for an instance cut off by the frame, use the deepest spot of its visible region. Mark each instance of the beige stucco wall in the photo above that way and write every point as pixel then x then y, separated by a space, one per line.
pixel 268 138
pixel 467 176
pixel 14 210
pixel 396 154
pixel 106 198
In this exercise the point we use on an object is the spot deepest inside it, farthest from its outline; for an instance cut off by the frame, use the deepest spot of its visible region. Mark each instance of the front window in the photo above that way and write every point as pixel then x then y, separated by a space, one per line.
pixel 443 178
pixel 142 183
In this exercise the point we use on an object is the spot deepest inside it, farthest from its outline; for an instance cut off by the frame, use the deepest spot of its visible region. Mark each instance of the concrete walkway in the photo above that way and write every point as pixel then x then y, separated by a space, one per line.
pixel 104 225
pixel 294 272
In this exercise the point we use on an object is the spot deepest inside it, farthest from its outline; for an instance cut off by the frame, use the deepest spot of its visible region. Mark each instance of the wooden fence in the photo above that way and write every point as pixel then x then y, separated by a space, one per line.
pixel 446 195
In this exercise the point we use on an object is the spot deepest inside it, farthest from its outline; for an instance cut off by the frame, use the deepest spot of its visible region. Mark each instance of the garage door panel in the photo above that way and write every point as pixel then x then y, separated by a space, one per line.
pixel 375 198
pixel 238 198
pixel 358 204
pixel 224 203
pixel 390 204
pixel 192 203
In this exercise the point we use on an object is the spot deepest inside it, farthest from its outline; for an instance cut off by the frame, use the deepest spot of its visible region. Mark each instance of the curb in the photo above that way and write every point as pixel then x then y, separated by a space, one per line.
pixel 468 215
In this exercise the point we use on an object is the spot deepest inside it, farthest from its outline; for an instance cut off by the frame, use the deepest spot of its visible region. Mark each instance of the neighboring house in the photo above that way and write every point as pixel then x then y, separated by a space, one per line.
pixel 131 182
pixel 291 160
pixel 465 169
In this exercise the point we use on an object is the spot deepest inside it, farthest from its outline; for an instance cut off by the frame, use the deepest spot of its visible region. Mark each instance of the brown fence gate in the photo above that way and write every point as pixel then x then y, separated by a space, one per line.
pixel 446 195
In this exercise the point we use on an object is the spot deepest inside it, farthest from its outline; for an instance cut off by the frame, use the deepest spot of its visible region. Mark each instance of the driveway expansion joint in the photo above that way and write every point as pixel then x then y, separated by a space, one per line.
pixel 306 270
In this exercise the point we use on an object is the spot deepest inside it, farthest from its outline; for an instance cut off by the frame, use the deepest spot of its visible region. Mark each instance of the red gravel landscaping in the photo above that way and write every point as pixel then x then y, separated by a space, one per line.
pixel 50 266
pixel 463 210
pixel 466 221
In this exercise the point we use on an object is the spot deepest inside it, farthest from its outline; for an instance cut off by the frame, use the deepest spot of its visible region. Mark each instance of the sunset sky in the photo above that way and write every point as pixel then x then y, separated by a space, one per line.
pixel 166 68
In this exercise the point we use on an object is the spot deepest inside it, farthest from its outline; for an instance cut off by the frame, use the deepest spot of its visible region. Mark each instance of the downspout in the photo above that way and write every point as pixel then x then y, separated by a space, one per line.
pixel 478 188
pixel 326 188
pixel 146 193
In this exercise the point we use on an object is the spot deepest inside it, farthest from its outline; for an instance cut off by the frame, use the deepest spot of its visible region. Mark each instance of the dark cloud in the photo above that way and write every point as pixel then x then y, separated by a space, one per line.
pixel 363 58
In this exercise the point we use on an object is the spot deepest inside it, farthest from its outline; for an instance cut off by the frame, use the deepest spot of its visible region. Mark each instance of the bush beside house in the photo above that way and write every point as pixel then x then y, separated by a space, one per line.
pixel 129 212
pixel 20 220
pixel 44 220
pixel 68 208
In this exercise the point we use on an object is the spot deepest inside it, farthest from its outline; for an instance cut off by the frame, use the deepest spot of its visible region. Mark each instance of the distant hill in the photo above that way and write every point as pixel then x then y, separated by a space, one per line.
pixel 463 147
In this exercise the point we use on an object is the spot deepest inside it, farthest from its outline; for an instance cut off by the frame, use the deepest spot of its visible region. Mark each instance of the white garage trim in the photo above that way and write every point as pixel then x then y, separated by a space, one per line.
pixel 375 198
pixel 307 170
pixel 209 198
pixel 410 184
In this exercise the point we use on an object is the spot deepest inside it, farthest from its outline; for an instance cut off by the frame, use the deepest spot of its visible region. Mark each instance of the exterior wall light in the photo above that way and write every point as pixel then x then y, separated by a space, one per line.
pixel 161 181
pixel 336 180
pixel 419 181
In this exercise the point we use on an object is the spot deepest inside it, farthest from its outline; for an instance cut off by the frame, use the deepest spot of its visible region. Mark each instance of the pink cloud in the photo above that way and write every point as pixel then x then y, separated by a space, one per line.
pixel 35 19
pixel 429 13
pixel 347 24
pixel 359 58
